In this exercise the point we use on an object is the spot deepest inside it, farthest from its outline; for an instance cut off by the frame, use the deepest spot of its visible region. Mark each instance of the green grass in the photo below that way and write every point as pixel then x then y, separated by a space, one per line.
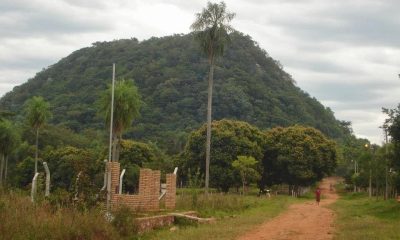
pixel 235 215
pixel 21 219
pixel 359 217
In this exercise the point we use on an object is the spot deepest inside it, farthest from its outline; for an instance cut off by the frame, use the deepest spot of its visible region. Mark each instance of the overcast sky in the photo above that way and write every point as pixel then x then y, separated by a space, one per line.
pixel 344 53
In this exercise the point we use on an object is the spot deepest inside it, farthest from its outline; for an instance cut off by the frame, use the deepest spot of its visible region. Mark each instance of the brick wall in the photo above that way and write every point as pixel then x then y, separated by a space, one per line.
pixel 149 190
pixel 149 223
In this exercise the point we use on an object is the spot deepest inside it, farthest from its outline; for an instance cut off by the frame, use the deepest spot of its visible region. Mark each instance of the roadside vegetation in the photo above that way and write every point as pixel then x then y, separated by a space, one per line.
pixel 361 217
pixel 47 219
pixel 235 214
pixel 21 219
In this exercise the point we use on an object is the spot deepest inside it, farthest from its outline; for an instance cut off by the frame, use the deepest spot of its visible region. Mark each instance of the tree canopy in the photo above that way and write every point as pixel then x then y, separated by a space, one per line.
pixel 37 113
pixel 246 166
pixel 211 29
pixel 230 139
pixel 297 156
pixel 126 108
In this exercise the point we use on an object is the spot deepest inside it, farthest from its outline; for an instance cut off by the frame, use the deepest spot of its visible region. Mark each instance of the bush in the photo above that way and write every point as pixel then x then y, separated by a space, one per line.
pixel 20 219
pixel 124 221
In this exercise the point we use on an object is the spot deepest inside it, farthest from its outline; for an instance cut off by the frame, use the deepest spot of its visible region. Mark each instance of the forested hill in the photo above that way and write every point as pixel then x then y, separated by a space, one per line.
pixel 171 74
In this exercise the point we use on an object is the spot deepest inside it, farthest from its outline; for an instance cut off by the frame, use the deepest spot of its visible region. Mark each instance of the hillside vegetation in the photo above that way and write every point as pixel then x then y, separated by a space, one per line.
pixel 171 75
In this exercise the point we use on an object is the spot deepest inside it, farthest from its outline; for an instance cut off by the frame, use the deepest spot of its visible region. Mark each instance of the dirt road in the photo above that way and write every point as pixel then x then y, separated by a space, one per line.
pixel 305 221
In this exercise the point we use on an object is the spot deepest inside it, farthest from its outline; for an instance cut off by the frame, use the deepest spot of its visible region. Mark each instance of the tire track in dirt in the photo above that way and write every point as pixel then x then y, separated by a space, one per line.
pixel 306 221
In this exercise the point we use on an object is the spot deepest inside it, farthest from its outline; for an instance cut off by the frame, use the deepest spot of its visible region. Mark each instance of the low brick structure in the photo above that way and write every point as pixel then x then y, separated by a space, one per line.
pixel 149 190
pixel 148 223
pixel 145 224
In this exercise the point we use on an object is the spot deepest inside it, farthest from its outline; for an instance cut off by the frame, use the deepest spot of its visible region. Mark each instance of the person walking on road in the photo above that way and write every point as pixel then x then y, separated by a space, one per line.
pixel 318 195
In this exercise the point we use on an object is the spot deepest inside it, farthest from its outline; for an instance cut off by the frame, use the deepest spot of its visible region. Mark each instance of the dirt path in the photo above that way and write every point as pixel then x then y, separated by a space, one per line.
pixel 302 221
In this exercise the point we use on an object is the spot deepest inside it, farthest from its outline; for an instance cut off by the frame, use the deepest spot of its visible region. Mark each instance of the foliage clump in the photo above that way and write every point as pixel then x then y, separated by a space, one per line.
pixel 230 139
pixel 298 156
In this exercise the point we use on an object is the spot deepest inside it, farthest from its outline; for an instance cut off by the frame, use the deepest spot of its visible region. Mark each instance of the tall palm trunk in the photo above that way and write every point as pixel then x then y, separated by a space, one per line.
pixel 209 108
pixel 116 147
pixel 5 171
pixel 37 150
pixel 370 183
pixel 1 169
pixel 243 181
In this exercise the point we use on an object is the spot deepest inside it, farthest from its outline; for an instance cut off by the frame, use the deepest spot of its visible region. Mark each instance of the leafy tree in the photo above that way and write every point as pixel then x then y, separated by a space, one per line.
pixel 298 156
pixel 392 125
pixel 230 139
pixel 246 167
pixel 135 155
pixel 68 164
pixel 9 139
pixel 65 164
pixel 126 109
pixel 211 29
pixel 349 152
pixel 23 172
pixel 37 113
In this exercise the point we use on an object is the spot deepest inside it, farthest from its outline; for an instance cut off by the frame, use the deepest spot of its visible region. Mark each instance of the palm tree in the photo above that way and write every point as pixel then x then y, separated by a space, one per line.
pixel 37 113
pixel 126 109
pixel 8 142
pixel 211 29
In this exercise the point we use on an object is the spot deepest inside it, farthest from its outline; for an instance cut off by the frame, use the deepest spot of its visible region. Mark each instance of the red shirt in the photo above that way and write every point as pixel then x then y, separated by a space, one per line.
pixel 318 194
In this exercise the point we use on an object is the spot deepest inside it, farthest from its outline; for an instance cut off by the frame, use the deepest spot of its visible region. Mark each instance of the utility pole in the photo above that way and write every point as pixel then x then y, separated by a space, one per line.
pixel 110 143
pixel 370 182
pixel 355 174
pixel 367 146
pixel 386 164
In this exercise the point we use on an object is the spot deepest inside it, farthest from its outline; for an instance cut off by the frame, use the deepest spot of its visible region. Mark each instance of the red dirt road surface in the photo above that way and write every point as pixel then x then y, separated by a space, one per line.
pixel 305 221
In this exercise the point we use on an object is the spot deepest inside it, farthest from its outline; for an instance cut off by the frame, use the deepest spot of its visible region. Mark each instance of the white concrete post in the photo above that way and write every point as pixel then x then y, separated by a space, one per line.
pixel 77 186
pixel 121 177
pixel 34 186
pixel 46 168
pixel 105 176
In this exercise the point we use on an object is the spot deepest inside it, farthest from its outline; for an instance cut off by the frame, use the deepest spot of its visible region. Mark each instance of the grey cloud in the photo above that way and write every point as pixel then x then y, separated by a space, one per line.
pixel 25 63
pixel 356 24
pixel 353 95
pixel 318 65
pixel 18 21
pixel 87 3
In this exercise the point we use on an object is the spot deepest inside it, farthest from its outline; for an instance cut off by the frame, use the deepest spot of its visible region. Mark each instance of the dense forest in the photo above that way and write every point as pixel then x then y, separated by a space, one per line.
pixel 171 75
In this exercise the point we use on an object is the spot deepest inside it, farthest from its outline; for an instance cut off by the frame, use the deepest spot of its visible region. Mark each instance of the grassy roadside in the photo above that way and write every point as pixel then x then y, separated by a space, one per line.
pixel 235 214
pixel 230 222
pixel 21 219
pixel 359 217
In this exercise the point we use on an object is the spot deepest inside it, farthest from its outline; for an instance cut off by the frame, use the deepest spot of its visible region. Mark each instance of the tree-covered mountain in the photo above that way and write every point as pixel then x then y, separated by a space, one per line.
pixel 171 75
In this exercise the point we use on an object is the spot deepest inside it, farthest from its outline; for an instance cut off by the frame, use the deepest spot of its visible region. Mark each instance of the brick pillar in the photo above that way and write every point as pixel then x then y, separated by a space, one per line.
pixel 114 167
pixel 149 189
pixel 155 193
pixel 170 196
pixel 144 180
